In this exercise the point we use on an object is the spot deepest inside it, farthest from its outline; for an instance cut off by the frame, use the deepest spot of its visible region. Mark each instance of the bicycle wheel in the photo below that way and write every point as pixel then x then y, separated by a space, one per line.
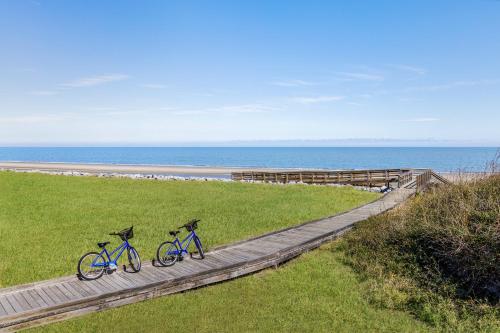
pixel 197 242
pixel 91 266
pixel 167 253
pixel 134 259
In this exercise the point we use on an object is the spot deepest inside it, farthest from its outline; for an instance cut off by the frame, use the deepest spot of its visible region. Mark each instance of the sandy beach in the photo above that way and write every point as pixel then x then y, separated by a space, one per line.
pixel 128 169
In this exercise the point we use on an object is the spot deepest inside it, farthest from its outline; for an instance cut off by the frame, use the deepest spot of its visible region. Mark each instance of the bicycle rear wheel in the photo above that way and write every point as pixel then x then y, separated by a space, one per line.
pixel 134 259
pixel 167 253
pixel 197 242
pixel 91 266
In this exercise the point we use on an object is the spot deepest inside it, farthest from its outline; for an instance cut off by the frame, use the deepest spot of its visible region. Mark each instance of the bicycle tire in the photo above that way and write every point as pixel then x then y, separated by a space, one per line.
pixel 198 245
pixel 133 259
pixel 82 267
pixel 162 251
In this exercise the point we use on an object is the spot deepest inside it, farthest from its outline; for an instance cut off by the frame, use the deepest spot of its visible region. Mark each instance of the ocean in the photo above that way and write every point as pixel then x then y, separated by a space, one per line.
pixel 439 159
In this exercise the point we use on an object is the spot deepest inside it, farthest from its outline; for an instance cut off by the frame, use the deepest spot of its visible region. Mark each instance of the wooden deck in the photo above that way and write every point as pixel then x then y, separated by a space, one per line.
pixel 58 299
pixel 372 177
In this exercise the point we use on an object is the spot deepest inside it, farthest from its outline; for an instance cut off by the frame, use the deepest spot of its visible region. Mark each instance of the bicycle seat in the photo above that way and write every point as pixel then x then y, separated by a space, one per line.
pixel 103 244
pixel 173 233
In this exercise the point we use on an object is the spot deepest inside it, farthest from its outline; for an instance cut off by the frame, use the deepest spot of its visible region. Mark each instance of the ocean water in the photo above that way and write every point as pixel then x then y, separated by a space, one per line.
pixel 439 159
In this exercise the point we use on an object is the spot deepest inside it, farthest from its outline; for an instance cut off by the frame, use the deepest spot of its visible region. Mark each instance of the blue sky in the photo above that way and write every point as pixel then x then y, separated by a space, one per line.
pixel 171 72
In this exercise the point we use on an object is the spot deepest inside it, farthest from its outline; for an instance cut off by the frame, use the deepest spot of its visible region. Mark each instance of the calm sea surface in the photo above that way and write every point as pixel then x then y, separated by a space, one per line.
pixel 440 159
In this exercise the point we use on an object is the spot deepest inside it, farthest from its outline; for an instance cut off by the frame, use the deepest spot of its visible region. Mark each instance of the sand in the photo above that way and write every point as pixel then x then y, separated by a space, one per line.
pixel 124 168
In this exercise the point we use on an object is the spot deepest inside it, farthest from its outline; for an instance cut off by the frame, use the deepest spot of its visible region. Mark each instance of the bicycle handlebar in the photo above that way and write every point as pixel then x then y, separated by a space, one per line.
pixel 189 223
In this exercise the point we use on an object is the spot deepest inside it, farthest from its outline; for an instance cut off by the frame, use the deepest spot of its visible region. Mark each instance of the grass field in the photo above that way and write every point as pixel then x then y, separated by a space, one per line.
pixel 315 293
pixel 48 222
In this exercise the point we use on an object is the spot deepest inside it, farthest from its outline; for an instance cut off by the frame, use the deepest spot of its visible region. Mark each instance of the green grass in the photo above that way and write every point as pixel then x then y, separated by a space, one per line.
pixel 315 293
pixel 47 222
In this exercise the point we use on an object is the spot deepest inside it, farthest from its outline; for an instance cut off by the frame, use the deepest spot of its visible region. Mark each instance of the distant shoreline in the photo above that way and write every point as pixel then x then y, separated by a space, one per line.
pixel 96 168
pixel 164 170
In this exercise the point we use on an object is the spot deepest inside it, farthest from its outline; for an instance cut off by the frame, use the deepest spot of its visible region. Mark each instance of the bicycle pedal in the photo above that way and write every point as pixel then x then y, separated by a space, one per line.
pixel 181 258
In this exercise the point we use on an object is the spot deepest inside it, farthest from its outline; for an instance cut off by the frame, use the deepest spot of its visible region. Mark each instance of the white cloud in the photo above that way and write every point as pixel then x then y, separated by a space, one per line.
pixel 361 76
pixel 455 84
pixel 29 119
pixel 412 69
pixel 422 120
pixel 317 99
pixel 189 112
pixel 44 92
pixel 95 80
pixel 292 83
pixel 230 109
pixel 153 86
pixel 249 108
pixel 101 108
pixel 203 94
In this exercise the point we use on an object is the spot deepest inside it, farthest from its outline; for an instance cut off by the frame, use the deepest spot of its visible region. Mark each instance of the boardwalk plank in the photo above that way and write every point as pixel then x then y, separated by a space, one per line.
pixel 56 289
pixel 3 312
pixel 117 281
pixel 92 286
pixel 148 275
pixel 73 293
pixel 81 289
pixel 13 302
pixel 30 300
pixel 21 301
pixel 6 305
pixel 38 299
pixel 73 287
pixel 45 296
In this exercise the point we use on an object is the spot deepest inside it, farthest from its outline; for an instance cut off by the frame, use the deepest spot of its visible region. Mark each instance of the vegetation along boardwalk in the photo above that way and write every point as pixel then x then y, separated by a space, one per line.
pixel 57 299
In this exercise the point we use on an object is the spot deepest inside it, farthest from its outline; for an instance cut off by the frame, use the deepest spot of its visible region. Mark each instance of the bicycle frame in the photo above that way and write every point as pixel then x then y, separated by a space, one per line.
pixel 180 245
pixel 118 251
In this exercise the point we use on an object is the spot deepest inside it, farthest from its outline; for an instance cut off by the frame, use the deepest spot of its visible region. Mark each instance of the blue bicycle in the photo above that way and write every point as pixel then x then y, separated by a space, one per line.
pixel 169 252
pixel 92 265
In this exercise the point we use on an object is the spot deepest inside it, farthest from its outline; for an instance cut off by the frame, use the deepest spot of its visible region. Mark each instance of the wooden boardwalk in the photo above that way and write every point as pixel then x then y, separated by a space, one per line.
pixel 372 177
pixel 58 299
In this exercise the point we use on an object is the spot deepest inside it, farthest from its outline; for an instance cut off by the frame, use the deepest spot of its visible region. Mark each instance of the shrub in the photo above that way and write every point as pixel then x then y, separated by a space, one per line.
pixel 438 255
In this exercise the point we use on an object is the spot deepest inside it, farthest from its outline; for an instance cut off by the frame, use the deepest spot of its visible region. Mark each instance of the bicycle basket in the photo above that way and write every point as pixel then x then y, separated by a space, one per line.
pixel 126 233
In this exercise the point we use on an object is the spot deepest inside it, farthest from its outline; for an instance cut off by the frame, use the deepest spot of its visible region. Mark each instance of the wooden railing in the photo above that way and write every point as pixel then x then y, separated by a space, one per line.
pixel 423 180
pixel 354 177
pixel 405 178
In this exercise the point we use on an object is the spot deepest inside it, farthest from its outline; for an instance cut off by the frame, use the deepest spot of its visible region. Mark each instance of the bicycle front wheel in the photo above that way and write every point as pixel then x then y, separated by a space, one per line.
pixel 91 266
pixel 167 253
pixel 133 259
pixel 197 242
